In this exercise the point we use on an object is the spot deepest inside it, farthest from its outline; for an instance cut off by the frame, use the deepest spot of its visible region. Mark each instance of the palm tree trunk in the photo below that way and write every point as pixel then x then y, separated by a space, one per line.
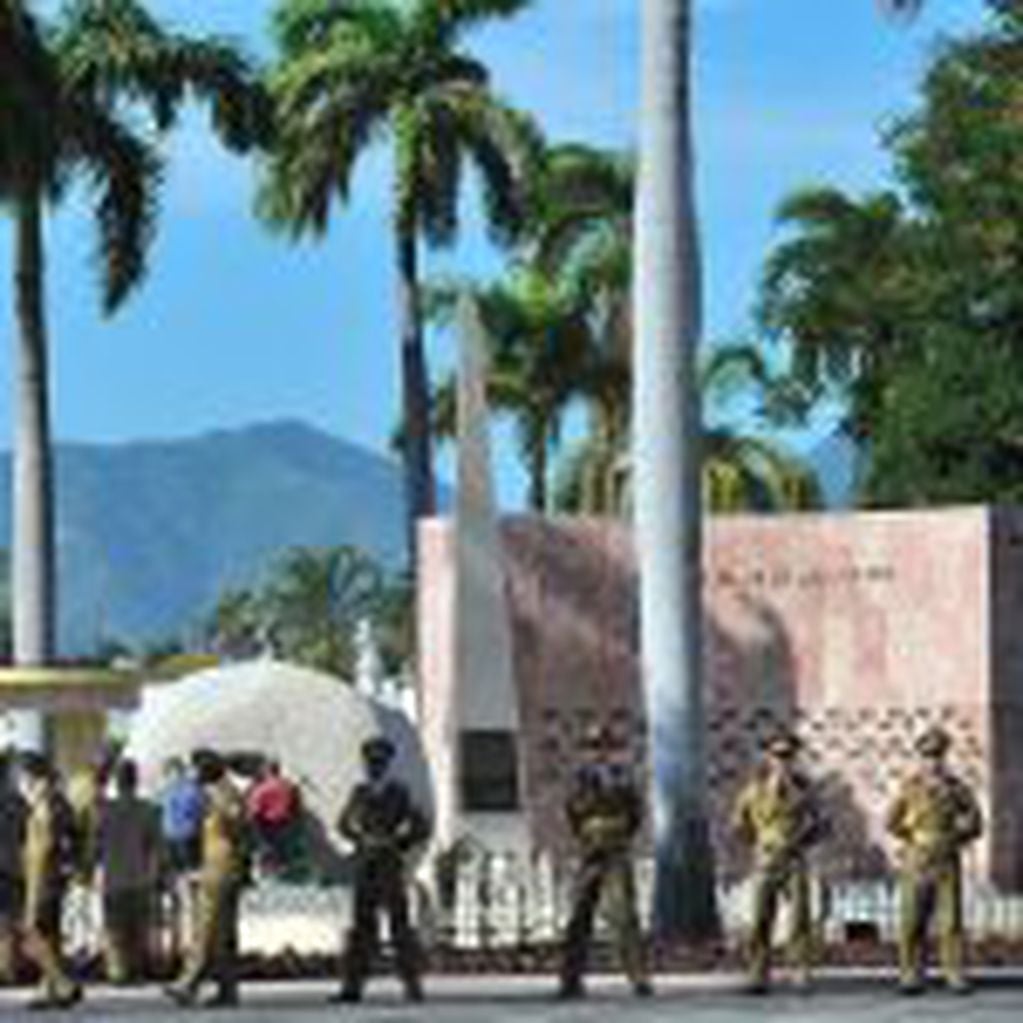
pixel 537 461
pixel 34 591
pixel 419 488
pixel 667 477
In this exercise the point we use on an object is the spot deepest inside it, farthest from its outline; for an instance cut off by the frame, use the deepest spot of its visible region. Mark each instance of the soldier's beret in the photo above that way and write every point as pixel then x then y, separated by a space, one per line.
pixel 934 742
pixel 378 747
pixel 782 744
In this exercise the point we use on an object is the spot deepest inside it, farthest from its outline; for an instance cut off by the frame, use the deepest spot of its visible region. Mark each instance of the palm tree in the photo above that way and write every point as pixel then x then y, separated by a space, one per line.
pixel 666 432
pixel 65 119
pixel 741 470
pixel 580 231
pixel 352 71
pixel 542 356
pixel 314 601
pixel 842 291
pixel 666 439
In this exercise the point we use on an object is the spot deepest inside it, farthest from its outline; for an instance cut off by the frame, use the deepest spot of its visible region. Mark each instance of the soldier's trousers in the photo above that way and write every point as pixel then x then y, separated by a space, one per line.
pixel 214 950
pixel 127 916
pixel 924 894
pixel 380 888
pixel 772 883
pixel 609 876
pixel 10 914
pixel 42 927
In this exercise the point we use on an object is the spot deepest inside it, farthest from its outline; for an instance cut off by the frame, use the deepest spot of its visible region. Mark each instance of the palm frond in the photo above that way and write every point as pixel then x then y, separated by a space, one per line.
pixel 441 22
pixel 125 174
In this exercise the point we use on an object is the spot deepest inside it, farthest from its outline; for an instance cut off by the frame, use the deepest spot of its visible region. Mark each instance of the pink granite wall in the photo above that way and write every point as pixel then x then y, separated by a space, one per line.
pixel 856 630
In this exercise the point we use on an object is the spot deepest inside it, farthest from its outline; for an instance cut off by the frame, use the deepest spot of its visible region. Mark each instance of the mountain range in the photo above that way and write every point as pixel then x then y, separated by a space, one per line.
pixel 150 532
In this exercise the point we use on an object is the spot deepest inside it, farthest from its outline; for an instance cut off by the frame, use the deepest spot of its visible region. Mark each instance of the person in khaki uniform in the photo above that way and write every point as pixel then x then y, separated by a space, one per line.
pixel 383 824
pixel 604 810
pixel 129 850
pixel 222 874
pixel 48 860
pixel 934 816
pixel 777 814
pixel 13 814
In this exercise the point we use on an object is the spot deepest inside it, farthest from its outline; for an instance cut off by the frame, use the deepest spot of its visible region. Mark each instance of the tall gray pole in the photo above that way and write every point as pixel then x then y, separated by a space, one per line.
pixel 666 460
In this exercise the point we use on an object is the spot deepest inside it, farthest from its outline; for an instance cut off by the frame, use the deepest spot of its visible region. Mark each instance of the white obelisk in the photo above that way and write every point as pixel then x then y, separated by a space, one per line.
pixel 484 696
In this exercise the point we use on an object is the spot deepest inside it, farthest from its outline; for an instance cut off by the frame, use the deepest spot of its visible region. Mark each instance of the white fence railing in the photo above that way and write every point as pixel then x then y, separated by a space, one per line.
pixel 501 901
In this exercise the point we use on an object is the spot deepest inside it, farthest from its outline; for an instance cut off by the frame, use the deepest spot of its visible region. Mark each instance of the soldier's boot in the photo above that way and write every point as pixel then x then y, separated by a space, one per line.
pixel 952 964
pixel 409 961
pixel 223 998
pixel 913 921
pixel 575 949
pixel 116 960
pixel 571 977
pixel 57 989
pixel 635 961
pixel 758 980
pixel 8 953
pixel 354 968
pixel 181 994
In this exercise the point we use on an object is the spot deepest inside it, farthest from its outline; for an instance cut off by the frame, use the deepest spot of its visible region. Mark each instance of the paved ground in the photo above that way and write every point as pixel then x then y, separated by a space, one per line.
pixel 845 998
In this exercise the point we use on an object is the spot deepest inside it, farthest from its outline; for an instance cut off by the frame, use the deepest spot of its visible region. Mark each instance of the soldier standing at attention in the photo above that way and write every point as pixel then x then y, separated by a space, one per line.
pixel 222 874
pixel 48 860
pixel 778 816
pixel 604 811
pixel 383 824
pixel 13 814
pixel 934 817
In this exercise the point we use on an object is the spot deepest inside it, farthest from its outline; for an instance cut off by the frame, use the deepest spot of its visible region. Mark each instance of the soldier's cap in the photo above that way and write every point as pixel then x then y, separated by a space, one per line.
pixel 209 765
pixel 379 747
pixel 933 743
pixel 782 744
pixel 34 764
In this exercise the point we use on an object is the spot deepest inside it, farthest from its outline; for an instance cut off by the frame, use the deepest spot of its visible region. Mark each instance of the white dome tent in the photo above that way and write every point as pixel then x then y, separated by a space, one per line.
pixel 312 723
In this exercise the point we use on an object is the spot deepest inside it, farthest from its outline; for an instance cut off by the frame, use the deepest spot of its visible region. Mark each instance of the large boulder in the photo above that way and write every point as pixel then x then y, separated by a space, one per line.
pixel 314 724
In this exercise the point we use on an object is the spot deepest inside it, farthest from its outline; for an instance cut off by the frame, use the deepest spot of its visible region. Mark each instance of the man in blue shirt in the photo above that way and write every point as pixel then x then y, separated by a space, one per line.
pixel 181 806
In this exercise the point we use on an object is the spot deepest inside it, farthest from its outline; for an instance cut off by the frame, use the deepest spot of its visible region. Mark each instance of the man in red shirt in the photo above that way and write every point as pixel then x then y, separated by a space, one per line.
pixel 273 807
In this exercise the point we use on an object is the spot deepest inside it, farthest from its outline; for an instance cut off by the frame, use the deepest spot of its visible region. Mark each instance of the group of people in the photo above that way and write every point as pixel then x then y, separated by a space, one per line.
pixel 780 817
pixel 95 833
pixel 206 826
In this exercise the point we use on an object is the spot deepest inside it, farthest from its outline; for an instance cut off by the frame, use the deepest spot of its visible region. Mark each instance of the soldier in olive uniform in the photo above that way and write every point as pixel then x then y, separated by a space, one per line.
pixel 777 814
pixel 604 812
pixel 48 860
pixel 222 875
pixel 934 817
pixel 382 822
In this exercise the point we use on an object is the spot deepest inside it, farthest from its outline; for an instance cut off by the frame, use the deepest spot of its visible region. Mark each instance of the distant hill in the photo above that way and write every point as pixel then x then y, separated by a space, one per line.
pixel 149 532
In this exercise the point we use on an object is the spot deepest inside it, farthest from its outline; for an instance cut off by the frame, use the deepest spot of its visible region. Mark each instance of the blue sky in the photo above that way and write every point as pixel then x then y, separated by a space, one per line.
pixel 234 326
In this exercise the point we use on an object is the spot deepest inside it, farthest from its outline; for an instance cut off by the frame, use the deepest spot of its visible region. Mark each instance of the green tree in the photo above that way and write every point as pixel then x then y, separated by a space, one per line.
pixel 351 72
pixel 314 600
pixel 236 627
pixel 907 306
pixel 67 113
pixel 741 470
pixel 542 356
pixel 50 131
